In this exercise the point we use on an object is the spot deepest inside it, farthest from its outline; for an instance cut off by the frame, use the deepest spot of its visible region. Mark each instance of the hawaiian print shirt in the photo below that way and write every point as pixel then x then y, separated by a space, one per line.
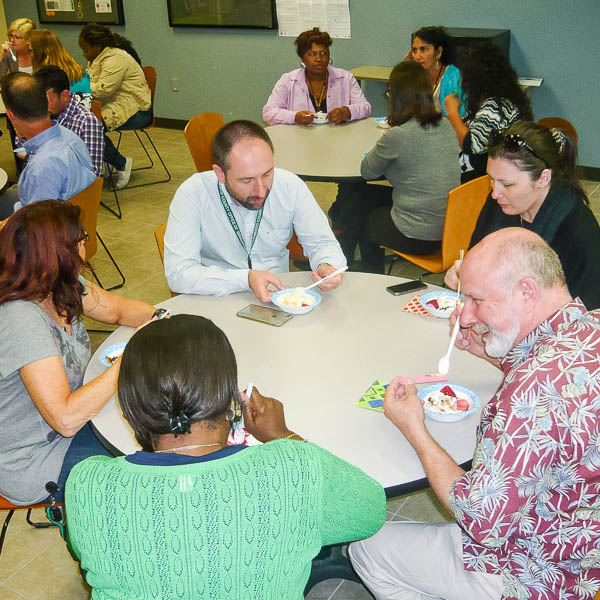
pixel 530 506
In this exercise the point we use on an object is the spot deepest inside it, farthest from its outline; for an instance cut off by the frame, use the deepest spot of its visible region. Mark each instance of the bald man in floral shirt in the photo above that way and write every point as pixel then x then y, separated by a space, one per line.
pixel 528 512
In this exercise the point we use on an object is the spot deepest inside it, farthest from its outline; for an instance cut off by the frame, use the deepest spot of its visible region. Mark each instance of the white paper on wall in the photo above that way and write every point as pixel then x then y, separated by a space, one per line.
pixel 296 16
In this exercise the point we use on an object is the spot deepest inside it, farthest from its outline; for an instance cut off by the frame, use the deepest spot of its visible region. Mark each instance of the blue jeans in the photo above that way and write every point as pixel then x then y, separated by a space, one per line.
pixel 83 445
pixel 142 118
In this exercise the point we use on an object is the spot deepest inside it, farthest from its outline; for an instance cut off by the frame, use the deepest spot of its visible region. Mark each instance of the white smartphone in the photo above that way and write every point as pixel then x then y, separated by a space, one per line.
pixel 264 314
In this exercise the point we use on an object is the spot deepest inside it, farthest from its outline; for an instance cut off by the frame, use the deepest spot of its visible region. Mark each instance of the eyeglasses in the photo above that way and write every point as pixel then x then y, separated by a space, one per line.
pixel 83 237
pixel 512 142
pixel 14 36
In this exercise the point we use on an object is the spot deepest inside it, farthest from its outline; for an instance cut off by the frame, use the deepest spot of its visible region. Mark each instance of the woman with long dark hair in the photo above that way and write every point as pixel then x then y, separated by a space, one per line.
pixel 434 50
pixel 210 520
pixel 494 101
pixel 45 349
pixel 534 186
pixel 118 81
pixel 418 157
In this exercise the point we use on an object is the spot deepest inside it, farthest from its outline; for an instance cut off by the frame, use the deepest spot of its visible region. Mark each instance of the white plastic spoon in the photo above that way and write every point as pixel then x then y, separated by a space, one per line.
pixel 444 362
pixel 301 290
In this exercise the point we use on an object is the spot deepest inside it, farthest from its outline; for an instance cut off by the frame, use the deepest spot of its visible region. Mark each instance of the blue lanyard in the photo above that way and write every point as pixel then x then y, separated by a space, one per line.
pixel 236 228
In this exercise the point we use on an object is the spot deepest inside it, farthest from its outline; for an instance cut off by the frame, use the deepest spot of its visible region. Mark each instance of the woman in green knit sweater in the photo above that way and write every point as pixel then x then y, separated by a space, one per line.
pixel 190 517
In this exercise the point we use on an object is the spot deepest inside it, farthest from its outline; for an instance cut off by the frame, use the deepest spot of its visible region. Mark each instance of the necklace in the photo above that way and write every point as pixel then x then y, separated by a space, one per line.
pixel 322 94
pixel 437 79
pixel 187 447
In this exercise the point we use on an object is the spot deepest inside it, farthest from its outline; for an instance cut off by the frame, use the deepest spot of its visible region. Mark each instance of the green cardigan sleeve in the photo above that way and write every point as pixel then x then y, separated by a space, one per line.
pixel 352 503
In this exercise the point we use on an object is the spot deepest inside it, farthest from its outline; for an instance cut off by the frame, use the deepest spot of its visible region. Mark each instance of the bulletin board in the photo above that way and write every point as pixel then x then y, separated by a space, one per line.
pixel 108 12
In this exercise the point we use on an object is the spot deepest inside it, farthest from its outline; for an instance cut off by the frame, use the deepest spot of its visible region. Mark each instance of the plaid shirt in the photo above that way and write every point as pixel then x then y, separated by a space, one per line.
pixel 83 122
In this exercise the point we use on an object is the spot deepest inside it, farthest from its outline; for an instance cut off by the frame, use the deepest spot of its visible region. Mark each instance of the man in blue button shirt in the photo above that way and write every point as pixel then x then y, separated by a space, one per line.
pixel 59 164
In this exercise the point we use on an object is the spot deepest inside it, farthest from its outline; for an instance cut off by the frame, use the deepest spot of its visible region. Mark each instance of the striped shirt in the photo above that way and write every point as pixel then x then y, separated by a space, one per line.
pixel 494 113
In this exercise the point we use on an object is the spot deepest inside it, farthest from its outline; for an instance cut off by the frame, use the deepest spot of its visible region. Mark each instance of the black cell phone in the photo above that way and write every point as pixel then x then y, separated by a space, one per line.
pixel 406 288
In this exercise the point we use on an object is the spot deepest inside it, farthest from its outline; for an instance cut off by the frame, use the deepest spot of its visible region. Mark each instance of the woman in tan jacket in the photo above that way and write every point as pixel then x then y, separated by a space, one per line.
pixel 118 81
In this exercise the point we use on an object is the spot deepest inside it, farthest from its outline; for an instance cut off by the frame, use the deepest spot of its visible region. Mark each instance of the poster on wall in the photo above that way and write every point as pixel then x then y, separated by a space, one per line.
pixel 296 16
pixel 249 14
pixel 108 12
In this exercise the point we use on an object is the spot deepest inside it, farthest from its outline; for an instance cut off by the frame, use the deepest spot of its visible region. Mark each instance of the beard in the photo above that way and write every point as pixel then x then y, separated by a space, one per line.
pixel 499 343
pixel 249 202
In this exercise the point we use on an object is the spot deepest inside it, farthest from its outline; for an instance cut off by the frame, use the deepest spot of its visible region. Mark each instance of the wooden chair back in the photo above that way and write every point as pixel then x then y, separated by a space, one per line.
pixel 88 201
pixel 97 109
pixel 464 205
pixel 562 124
pixel 150 75
pixel 159 236
pixel 199 133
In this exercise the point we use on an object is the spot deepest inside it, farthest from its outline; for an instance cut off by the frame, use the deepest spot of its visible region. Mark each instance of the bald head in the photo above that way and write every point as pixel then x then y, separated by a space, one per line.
pixel 25 97
pixel 512 281
pixel 512 254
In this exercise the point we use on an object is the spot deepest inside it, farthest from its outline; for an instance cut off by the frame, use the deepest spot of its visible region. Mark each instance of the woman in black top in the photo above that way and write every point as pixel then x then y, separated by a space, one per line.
pixel 534 186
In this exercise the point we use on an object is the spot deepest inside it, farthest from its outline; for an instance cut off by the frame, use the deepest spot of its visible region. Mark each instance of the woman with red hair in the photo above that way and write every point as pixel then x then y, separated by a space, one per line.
pixel 45 349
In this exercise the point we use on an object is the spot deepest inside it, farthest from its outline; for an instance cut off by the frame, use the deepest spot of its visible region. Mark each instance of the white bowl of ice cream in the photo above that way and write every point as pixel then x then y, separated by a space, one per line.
pixel 448 403
pixel 440 303
pixel 320 118
pixel 296 303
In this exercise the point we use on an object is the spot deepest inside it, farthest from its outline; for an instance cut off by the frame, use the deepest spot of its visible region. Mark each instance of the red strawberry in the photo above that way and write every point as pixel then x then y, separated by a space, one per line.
pixel 462 404
pixel 434 304
pixel 448 391
pixel 303 305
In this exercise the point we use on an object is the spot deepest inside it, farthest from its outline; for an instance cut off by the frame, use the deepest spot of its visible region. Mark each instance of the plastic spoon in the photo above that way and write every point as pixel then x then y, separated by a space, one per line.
pixel 444 362
pixel 301 290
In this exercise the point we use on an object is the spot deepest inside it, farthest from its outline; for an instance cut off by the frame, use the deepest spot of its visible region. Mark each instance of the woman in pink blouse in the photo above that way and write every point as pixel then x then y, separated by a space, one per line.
pixel 316 87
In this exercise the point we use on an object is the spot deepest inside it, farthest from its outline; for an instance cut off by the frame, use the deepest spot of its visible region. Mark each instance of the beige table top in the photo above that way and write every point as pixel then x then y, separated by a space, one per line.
pixel 321 363
pixel 324 152
pixel 373 73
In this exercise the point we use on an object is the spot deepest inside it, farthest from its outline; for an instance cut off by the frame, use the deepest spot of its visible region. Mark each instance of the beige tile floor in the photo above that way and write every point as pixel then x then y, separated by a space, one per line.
pixel 35 563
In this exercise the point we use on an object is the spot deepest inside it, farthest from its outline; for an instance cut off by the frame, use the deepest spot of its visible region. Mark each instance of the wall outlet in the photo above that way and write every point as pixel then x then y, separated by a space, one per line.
pixel 174 84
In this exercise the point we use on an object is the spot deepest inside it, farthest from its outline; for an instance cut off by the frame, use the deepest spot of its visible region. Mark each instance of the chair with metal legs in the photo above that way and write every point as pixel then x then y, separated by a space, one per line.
pixel 10 507
pixel 88 201
pixel 151 78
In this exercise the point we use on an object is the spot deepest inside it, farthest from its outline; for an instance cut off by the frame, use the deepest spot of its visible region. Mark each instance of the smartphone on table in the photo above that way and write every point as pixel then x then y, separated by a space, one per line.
pixel 264 314
pixel 406 288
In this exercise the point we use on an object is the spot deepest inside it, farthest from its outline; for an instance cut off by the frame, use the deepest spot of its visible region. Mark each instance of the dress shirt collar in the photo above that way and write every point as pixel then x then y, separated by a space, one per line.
pixel 238 208
pixel 573 311
pixel 33 144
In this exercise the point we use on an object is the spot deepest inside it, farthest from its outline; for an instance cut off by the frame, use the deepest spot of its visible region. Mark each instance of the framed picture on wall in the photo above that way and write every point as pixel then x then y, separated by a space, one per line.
pixel 249 14
pixel 107 12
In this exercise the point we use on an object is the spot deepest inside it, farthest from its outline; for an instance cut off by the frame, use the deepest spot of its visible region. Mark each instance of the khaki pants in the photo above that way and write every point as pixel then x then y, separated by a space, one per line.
pixel 410 561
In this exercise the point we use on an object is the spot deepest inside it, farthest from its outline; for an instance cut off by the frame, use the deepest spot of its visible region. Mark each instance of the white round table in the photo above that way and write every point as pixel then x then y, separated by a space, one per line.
pixel 324 152
pixel 321 363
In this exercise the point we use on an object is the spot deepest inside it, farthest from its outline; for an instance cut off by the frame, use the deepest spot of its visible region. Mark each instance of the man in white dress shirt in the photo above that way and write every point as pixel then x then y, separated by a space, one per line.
pixel 228 228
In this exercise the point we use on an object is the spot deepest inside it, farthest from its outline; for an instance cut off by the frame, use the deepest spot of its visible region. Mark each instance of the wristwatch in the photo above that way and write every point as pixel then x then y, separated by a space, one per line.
pixel 160 313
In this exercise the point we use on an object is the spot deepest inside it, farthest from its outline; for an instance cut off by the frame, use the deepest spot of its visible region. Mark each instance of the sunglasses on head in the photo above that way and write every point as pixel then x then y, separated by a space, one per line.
pixel 512 142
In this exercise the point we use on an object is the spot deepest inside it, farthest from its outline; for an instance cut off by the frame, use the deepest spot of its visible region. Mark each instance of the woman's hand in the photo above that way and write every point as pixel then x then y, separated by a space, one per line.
pixel 452 104
pixel 263 417
pixel 451 276
pixel 5 48
pixel 409 56
pixel 304 117
pixel 339 115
